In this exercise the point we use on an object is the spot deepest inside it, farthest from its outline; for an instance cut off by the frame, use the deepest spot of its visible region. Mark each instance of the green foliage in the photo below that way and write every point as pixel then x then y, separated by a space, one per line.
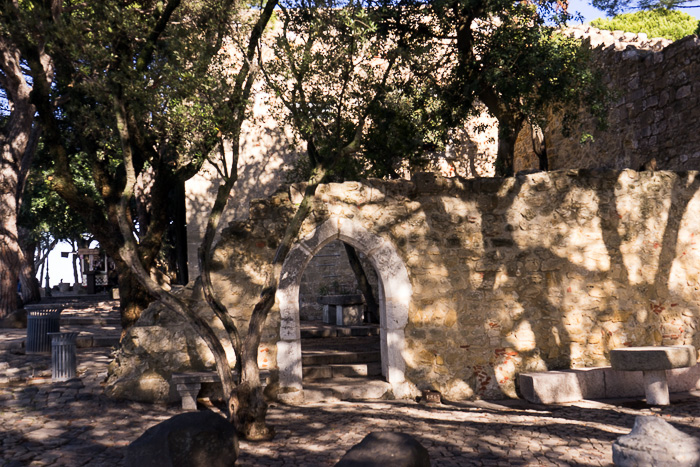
pixel 669 24
pixel 157 63
pixel 46 215
pixel 342 80
pixel 615 7
pixel 506 55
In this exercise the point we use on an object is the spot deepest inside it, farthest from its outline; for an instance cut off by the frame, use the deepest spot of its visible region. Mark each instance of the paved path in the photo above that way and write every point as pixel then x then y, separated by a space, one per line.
pixel 74 424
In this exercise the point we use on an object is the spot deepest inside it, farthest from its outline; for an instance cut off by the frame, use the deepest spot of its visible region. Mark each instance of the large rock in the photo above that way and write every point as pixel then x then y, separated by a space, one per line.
pixel 159 344
pixel 187 440
pixel 383 449
pixel 654 441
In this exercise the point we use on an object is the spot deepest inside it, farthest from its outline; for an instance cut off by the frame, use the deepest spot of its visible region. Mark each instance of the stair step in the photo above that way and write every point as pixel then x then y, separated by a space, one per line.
pixel 328 330
pixel 321 357
pixel 319 372
pixel 345 390
pixel 88 321
pixel 345 344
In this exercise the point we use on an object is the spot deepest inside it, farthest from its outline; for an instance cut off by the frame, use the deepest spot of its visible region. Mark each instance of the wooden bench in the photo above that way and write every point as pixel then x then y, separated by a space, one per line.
pixel 189 384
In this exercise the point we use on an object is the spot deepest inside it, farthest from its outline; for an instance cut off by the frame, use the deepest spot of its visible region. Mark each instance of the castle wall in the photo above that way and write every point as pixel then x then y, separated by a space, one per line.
pixel 536 272
pixel 654 114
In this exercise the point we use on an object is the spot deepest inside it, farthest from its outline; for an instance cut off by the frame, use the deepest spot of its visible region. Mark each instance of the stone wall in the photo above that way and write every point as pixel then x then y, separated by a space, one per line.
pixel 655 113
pixel 544 271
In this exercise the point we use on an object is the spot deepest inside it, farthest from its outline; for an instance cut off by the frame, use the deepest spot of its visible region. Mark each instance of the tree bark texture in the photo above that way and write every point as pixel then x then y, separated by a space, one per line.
pixel 15 152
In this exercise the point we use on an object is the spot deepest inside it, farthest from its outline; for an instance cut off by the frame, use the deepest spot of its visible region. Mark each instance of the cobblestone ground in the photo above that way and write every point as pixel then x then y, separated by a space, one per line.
pixel 73 424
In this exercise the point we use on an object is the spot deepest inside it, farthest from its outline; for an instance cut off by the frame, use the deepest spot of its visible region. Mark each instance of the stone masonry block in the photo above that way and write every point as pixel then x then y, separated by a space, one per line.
pixel 557 387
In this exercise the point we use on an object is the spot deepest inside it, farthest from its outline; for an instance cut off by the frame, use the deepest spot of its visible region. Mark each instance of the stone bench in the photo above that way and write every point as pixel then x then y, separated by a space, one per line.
pixel 565 386
pixel 189 384
pixel 342 310
pixel 653 363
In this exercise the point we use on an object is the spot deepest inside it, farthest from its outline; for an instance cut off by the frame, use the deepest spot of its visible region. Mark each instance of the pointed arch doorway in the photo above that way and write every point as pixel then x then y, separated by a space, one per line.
pixel 394 300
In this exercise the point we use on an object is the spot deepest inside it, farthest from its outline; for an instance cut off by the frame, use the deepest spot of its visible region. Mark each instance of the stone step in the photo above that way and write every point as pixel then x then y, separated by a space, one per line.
pixel 96 341
pixel 88 321
pixel 321 357
pixel 329 330
pixel 345 389
pixel 341 344
pixel 357 370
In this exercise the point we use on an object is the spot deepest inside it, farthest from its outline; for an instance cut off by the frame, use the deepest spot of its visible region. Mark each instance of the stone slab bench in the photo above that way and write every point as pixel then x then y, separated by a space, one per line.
pixel 564 386
pixel 189 384
pixel 342 310
pixel 653 363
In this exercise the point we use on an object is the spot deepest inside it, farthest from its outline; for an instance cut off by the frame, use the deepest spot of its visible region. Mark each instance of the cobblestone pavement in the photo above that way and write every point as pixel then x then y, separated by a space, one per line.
pixel 73 424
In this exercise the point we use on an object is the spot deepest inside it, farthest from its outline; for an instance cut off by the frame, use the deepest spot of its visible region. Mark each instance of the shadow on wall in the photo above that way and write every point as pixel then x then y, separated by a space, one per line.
pixel 266 151
pixel 544 271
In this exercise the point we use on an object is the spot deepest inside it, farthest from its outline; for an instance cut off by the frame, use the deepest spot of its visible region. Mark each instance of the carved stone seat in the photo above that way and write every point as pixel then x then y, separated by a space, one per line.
pixel 653 363
pixel 342 310
pixel 189 384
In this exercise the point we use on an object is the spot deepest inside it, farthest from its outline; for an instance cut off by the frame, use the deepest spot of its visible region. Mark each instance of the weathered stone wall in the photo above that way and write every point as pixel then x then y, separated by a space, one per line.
pixel 536 272
pixel 655 113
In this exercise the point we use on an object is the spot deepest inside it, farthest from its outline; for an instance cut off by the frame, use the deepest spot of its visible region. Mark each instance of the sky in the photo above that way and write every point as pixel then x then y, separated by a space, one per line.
pixel 59 268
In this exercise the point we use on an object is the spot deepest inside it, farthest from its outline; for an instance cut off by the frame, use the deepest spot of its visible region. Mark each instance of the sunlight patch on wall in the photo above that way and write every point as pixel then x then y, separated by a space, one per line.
pixel 641 229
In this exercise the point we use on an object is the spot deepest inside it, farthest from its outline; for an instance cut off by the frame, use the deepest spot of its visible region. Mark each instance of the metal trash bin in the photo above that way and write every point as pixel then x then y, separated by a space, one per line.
pixel 40 323
pixel 63 355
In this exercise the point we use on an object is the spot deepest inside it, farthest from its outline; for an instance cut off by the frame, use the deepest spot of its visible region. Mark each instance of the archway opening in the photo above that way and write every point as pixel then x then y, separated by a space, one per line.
pixel 339 318
pixel 393 290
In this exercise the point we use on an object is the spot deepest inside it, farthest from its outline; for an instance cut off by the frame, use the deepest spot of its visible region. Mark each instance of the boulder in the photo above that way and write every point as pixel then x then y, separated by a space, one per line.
pixel 187 440
pixel 159 344
pixel 382 449
pixel 654 441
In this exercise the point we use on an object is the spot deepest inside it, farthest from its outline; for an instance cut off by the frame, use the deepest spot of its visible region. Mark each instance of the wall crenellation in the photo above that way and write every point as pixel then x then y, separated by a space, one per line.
pixel 615 40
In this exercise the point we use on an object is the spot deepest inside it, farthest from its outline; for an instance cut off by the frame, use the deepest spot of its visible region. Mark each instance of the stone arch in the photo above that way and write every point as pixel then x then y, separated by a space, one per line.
pixel 394 299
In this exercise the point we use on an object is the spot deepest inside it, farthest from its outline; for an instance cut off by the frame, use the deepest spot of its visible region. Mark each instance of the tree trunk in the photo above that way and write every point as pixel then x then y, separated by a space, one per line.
pixel 539 146
pixel 9 264
pixel 16 151
pixel 363 283
pixel 180 226
pixel 133 297
pixel 506 153
pixel 509 126
pixel 30 288
pixel 29 285
pixel 75 261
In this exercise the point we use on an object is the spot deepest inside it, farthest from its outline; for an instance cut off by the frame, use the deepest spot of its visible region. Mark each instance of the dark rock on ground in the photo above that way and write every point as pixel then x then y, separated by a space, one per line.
pixel 195 439
pixel 384 449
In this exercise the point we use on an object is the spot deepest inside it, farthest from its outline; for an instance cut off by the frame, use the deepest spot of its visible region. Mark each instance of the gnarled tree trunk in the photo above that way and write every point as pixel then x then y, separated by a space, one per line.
pixel 17 144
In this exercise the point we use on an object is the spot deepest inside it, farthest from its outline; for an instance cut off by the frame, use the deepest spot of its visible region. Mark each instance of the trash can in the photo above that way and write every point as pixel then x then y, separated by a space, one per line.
pixel 63 358
pixel 40 323
pixel 90 282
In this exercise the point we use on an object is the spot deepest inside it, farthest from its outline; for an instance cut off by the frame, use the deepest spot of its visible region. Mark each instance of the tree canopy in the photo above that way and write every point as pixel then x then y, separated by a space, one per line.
pixel 615 7
pixel 504 54
pixel 139 80
pixel 669 24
